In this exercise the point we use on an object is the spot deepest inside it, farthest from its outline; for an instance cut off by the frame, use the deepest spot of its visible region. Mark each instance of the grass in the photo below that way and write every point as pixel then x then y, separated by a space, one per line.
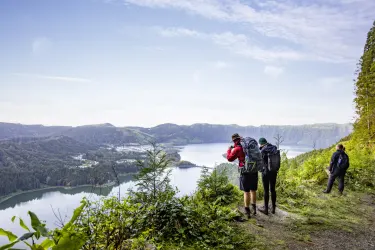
pixel 311 213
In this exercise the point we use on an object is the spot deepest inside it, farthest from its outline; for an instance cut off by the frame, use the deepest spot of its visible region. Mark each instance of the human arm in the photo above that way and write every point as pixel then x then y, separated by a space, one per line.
pixel 333 162
pixel 232 154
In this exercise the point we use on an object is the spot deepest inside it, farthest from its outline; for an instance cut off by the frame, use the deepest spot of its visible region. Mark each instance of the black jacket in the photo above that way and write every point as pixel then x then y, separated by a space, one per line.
pixel 334 160
pixel 265 150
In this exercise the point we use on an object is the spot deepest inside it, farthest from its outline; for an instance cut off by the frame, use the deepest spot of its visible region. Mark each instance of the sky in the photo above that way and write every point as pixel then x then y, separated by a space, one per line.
pixel 148 62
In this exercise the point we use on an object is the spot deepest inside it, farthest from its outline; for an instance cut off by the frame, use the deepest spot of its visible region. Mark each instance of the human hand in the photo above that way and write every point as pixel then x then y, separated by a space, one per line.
pixel 230 148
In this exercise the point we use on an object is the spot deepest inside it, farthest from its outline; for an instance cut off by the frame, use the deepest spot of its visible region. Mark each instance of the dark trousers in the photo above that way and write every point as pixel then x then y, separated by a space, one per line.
pixel 269 182
pixel 337 173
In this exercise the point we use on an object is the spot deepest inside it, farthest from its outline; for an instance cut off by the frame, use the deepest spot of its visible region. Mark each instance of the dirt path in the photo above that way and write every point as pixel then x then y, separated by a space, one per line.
pixel 285 231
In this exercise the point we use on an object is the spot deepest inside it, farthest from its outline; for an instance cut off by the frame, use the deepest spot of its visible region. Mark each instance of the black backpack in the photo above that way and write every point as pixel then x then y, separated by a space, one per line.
pixel 274 161
pixel 343 161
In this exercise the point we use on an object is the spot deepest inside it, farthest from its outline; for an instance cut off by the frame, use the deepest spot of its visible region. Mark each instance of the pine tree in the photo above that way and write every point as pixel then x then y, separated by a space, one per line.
pixel 153 181
pixel 365 90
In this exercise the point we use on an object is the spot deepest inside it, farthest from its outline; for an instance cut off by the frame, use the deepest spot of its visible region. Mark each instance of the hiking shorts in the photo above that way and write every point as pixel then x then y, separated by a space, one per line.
pixel 249 182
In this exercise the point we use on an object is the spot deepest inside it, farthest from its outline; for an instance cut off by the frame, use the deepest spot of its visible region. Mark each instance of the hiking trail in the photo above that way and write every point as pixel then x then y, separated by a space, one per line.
pixel 286 230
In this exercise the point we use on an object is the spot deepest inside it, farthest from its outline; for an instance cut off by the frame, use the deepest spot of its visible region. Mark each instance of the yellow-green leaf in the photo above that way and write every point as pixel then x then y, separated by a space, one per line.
pixel 37 247
pixel 23 225
pixel 10 235
pixel 47 243
pixel 37 225
pixel 77 212
pixel 7 246
pixel 71 243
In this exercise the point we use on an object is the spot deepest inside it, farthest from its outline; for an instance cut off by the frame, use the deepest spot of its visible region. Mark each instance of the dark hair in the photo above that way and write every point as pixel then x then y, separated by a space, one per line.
pixel 340 146
pixel 236 137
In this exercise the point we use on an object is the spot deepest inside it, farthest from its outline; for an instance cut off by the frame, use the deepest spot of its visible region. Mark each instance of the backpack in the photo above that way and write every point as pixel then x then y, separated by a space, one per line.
pixel 343 161
pixel 253 157
pixel 274 161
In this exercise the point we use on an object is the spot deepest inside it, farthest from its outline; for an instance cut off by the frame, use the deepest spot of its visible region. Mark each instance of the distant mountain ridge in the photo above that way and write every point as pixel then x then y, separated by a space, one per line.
pixel 322 135
pixel 15 130
pixel 34 156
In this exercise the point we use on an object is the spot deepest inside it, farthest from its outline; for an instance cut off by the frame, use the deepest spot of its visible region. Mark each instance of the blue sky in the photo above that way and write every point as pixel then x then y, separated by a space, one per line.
pixel 146 62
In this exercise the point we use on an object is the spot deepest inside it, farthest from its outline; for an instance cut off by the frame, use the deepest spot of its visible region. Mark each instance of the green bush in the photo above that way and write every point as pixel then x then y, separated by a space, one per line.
pixel 61 239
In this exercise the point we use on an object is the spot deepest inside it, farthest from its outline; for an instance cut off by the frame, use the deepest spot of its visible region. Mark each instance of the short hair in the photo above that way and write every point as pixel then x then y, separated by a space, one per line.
pixel 236 136
pixel 340 146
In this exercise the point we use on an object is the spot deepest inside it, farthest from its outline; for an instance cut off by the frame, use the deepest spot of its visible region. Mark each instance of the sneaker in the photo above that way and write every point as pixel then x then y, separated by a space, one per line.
pixel 247 211
pixel 263 210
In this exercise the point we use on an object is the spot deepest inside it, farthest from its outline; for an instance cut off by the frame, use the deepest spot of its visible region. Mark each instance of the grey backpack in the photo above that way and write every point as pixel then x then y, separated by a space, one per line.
pixel 253 157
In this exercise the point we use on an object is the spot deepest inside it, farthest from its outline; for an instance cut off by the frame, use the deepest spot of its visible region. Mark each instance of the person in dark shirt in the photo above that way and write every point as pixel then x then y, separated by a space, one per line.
pixel 337 168
pixel 248 182
pixel 268 177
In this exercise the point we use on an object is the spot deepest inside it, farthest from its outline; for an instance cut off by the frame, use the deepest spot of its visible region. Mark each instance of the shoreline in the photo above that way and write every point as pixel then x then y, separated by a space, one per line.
pixel 13 195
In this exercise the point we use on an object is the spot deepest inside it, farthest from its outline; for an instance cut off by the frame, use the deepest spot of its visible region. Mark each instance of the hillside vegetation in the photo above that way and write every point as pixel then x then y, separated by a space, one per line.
pixel 32 163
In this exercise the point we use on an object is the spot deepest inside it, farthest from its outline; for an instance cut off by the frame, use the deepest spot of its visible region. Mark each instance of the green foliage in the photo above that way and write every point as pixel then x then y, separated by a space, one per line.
pixel 61 239
pixel 310 169
pixel 153 216
pixel 365 92
pixel 153 177
pixel 32 163
pixel 10 235
pixel 150 217
pixel 215 187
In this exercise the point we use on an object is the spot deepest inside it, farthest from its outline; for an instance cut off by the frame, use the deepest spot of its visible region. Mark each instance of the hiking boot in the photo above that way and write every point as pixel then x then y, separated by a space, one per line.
pixel 254 209
pixel 247 211
pixel 263 210
pixel 273 210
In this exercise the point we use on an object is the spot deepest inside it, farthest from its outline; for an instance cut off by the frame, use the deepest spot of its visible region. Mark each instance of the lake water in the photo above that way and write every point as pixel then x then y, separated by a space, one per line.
pixel 47 203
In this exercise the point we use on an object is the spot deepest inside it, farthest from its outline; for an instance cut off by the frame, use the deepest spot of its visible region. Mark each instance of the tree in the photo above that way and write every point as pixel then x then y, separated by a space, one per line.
pixel 153 177
pixel 365 90
pixel 279 139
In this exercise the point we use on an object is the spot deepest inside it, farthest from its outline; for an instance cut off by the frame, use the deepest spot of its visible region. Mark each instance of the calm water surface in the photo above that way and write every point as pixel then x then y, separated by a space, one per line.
pixel 63 201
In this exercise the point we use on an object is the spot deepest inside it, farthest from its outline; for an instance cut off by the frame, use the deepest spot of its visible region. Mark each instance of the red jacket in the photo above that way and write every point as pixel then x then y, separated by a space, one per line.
pixel 236 153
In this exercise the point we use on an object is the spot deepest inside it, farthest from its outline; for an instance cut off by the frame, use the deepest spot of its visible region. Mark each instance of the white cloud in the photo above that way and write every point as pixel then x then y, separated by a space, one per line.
pixel 41 45
pixel 327 29
pixel 54 78
pixel 178 32
pixel 221 65
pixel 238 44
pixel 273 71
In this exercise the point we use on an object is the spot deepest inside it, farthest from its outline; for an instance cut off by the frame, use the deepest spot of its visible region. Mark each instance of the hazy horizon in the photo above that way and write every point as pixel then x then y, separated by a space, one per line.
pixel 248 125
pixel 149 62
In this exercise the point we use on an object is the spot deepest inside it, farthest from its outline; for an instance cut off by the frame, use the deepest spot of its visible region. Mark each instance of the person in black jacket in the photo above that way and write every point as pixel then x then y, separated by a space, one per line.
pixel 268 177
pixel 337 168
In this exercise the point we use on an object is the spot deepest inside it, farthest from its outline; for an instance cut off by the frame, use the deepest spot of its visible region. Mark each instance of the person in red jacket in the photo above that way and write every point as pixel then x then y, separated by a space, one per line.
pixel 248 182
